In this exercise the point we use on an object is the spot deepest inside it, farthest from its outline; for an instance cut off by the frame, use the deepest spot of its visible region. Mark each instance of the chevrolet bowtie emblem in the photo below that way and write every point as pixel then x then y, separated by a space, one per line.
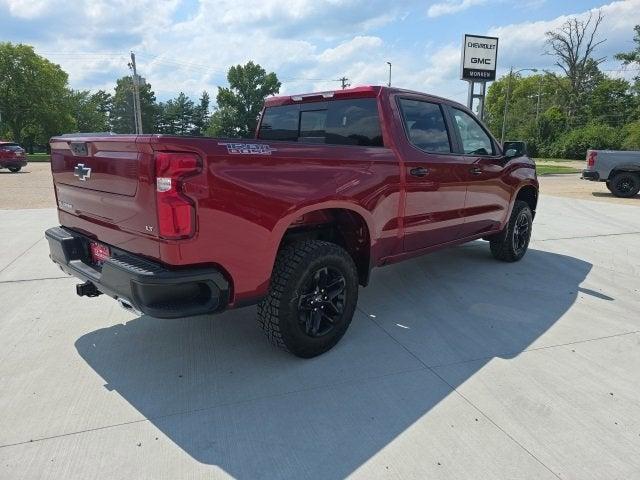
pixel 82 172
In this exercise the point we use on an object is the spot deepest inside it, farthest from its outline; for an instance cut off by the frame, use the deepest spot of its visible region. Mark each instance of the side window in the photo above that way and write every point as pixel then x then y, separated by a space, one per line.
pixel 475 140
pixel 425 125
pixel 354 122
pixel 338 122
pixel 280 123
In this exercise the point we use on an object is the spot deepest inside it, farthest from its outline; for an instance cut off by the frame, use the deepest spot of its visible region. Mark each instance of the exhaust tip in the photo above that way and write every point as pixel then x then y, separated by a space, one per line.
pixel 127 305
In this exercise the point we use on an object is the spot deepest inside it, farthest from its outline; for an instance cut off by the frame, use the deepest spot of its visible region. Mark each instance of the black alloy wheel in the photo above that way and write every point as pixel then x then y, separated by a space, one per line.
pixel 322 306
pixel 521 232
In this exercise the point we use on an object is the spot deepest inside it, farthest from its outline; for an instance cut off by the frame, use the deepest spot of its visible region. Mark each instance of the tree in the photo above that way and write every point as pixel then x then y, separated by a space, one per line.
pixel 122 109
pixel 529 98
pixel 610 102
pixel 201 115
pixel 629 58
pixel 239 105
pixel 573 45
pixel 90 110
pixel 33 96
pixel 631 134
pixel 176 116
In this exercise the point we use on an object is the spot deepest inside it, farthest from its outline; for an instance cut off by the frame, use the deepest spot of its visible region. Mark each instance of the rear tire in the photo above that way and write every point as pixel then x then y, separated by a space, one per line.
pixel 14 169
pixel 311 299
pixel 625 184
pixel 512 243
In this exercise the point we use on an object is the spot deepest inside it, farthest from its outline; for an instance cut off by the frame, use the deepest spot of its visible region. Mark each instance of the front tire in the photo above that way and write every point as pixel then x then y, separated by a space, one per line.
pixel 512 243
pixel 311 299
pixel 14 169
pixel 625 184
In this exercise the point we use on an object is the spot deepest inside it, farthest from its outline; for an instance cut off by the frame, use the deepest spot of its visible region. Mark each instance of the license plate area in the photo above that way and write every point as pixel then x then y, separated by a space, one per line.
pixel 98 253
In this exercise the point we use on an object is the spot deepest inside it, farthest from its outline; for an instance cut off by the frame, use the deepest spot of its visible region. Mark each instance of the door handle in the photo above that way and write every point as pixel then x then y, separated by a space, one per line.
pixel 475 171
pixel 419 172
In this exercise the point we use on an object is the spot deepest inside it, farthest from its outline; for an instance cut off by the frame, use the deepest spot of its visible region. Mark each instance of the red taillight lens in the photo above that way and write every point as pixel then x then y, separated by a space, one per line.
pixel 176 211
pixel 592 155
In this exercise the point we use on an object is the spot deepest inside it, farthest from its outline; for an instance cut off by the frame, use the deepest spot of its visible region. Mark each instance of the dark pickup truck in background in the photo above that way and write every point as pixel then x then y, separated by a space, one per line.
pixel 334 184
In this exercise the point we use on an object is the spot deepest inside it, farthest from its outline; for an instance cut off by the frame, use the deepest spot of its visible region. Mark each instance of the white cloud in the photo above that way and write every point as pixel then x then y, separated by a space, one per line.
pixel 523 44
pixel 27 8
pixel 357 45
pixel 451 6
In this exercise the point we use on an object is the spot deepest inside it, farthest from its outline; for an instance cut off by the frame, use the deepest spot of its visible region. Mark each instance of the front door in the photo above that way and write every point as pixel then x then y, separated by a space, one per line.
pixel 434 177
pixel 487 199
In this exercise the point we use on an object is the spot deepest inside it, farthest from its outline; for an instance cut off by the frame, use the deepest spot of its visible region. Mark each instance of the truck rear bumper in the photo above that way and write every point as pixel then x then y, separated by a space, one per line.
pixel 590 175
pixel 147 286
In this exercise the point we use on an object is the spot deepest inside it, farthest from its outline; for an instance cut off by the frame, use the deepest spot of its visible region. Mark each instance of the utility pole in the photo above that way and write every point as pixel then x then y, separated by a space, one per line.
pixel 389 84
pixel 137 111
pixel 538 105
pixel 343 80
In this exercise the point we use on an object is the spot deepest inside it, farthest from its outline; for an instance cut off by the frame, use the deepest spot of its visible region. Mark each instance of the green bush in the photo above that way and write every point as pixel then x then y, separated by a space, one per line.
pixel 631 134
pixel 575 143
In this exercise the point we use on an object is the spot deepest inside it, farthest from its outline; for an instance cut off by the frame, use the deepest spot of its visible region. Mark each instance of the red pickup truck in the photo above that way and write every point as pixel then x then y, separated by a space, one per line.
pixel 334 184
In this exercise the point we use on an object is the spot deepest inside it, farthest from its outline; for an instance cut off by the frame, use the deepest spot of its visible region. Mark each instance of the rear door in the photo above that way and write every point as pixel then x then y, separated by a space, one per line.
pixel 487 198
pixel 434 185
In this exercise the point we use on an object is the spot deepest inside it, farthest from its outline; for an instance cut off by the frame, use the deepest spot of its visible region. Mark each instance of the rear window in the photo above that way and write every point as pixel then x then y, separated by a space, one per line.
pixel 12 147
pixel 338 122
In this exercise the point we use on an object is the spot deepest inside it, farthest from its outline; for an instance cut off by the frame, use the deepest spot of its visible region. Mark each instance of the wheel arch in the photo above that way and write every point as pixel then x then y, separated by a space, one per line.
pixel 528 193
pixel 345 224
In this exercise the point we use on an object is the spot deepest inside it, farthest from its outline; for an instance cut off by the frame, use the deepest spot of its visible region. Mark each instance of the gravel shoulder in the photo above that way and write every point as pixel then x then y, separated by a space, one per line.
pixel 32 187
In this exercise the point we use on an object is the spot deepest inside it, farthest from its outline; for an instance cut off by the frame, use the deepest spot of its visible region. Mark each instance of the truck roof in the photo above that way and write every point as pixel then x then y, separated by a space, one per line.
pixel 365 91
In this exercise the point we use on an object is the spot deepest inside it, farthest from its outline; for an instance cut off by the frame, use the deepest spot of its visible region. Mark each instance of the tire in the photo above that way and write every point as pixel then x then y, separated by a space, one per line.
pixel 14 169
pixel 625 184
pixel 295 315
pixel 608 183
pixel 512 243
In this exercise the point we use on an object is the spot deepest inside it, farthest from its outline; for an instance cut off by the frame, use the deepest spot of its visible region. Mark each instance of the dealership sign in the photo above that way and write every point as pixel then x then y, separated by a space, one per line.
pixel 479 56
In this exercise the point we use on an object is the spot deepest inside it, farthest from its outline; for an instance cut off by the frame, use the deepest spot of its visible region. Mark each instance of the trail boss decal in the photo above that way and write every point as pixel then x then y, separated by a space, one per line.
pixel 479 56
pixel 248 148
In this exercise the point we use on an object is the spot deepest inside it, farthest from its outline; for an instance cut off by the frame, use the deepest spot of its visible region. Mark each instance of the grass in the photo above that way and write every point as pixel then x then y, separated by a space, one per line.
pixel 554 169
pixel 38 157
pixel 555 160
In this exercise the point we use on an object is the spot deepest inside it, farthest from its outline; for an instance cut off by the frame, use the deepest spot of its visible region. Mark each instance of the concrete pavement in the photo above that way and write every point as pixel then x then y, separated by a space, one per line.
pixel 456 366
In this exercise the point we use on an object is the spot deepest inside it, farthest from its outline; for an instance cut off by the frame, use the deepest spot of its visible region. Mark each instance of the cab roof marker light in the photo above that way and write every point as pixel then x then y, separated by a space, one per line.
pixel 299 98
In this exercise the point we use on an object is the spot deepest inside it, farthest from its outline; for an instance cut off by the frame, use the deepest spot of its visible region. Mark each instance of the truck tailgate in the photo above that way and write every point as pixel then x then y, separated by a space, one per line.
pixel 107 182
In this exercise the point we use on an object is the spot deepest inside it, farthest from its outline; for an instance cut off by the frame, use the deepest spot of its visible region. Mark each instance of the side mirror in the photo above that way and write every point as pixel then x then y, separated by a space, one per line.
pixel 514 149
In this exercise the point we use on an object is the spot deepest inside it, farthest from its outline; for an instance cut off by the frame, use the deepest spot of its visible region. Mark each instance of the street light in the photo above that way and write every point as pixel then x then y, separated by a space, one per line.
pixel 506 101
pixel 389 63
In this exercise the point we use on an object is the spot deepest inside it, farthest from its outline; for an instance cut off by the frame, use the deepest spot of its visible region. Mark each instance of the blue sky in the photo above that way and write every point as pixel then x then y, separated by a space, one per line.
pixel 187 45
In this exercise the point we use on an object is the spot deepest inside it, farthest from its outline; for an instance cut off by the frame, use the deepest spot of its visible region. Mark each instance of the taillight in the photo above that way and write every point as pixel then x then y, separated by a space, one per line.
pixel 176 211
pixel 592 155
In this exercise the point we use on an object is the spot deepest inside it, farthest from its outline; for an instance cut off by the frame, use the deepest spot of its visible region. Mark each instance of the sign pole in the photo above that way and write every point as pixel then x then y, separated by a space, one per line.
pixel 478 66
pixel 472 95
